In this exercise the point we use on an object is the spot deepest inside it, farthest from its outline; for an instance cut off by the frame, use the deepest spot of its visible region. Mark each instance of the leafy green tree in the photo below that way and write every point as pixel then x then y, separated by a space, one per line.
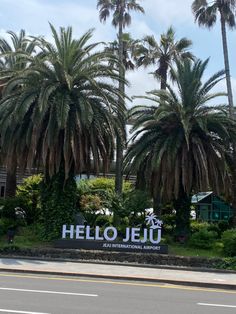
pixel 65 115
pixel 14 58
pixel 121 10
pixel 30 193
pixel 181 142
pixel 163 54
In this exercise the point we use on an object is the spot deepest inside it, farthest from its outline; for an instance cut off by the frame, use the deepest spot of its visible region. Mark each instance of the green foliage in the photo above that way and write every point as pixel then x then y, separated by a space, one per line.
pixel 223 225
pixel 118 209
pixel 30 191
pixel 97 195
pixel 5 224
pixel 203 239
pixel 214 227
pixel 103 220
pixel 66 109
pixel 136 201
pixel 196 226
pixel 229 242
pixel 8 206
pixel 26 237
pixel 227 263
pixel 168 225
pixel 166 132
pixel 58 205
pixel 101 184
pixel 91 202
pixel 91 206
pixel 168 219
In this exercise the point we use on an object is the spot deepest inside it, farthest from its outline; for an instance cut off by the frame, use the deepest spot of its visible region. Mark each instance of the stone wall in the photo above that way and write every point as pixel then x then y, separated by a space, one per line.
pixel 134 258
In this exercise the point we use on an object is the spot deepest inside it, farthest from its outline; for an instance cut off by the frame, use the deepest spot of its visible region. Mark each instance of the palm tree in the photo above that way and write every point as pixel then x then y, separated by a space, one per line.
pixel 14 58
pixel 129 46
pixel 65 114
pixel 181 142
pixel 206 15
pixel 121 18
pixel 162 54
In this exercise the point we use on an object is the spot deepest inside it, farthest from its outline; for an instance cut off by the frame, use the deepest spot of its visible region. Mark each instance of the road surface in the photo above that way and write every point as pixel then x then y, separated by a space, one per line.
pixel 39 294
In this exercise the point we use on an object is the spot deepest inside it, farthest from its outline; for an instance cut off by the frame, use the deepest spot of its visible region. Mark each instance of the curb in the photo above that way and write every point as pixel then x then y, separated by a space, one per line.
pixel 219 286
pixel 170 267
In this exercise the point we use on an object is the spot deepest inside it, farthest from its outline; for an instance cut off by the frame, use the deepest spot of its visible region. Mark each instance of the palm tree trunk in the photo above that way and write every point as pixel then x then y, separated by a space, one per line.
pixel 231 111
pixel 119 139
pixel 234 185
pixel 11 176
pixel 164 77
pixel 157 205
pixel 182 207
pixel 227 69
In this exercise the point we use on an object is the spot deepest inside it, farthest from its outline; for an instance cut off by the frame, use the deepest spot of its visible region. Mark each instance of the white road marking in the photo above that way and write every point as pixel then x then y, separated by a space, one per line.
pixel 217 305
pixel 20 312
pixel 50 292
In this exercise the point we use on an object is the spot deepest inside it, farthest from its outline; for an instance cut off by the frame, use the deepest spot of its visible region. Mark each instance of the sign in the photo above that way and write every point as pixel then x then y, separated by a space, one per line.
pixel 134 239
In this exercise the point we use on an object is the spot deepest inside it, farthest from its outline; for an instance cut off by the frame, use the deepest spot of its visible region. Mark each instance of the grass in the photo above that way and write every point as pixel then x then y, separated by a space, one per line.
pixel 183 250
pixel 26 237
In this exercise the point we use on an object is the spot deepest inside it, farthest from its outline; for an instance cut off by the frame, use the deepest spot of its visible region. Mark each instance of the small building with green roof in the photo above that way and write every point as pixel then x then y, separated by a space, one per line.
pixel 211 208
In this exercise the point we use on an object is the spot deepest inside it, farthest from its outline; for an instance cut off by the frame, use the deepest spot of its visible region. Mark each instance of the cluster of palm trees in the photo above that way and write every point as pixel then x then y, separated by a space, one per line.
pixel 63 109
pixel 60 106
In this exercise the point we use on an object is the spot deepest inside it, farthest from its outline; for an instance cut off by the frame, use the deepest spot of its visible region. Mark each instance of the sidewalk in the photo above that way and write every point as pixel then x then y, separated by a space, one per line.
pixel 175 276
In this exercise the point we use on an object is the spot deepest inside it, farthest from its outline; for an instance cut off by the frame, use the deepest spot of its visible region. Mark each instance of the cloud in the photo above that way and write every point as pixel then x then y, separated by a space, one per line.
pixel 34 15
pixel 169 12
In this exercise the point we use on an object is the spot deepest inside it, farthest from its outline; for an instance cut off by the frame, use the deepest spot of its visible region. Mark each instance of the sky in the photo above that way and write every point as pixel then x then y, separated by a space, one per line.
pixel 34 16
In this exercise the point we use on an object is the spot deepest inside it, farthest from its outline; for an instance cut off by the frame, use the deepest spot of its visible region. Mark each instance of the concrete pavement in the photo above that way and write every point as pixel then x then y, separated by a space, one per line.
pixel 177 276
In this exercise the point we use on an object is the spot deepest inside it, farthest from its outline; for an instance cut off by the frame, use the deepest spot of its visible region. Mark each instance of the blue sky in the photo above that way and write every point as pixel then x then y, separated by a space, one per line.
pixel 34 15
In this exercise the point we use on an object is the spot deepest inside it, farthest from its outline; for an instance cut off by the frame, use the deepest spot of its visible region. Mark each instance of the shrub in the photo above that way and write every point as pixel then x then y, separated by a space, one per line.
pixel 30 191
pixel 90 207
pixel 104 184
pixel 196 226
pixel 135 203
pixel 223 225
pixel 103 220
pixel 168 219
pixel 203 239
pixel 9 205
pixel 214 227
pixel 90 202
pixel 227 263
pixel 168 224
pixel 229 242
pixel 5 224
pixel 103 188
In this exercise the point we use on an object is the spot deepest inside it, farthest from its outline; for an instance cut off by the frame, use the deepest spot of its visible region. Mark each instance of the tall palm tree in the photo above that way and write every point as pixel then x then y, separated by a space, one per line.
pixel 163 54
pixel 129 46
pixel 205 13
pixel 181 141
pixel 121 18
pixel 65 114
pixel 14 58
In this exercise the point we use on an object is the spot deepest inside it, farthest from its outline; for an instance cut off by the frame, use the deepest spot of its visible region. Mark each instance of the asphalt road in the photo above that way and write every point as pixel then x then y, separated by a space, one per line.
pixel 38 294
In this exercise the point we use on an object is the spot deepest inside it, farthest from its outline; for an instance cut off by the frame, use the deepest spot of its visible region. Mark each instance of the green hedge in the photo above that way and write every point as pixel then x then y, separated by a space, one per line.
pixel 229 242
